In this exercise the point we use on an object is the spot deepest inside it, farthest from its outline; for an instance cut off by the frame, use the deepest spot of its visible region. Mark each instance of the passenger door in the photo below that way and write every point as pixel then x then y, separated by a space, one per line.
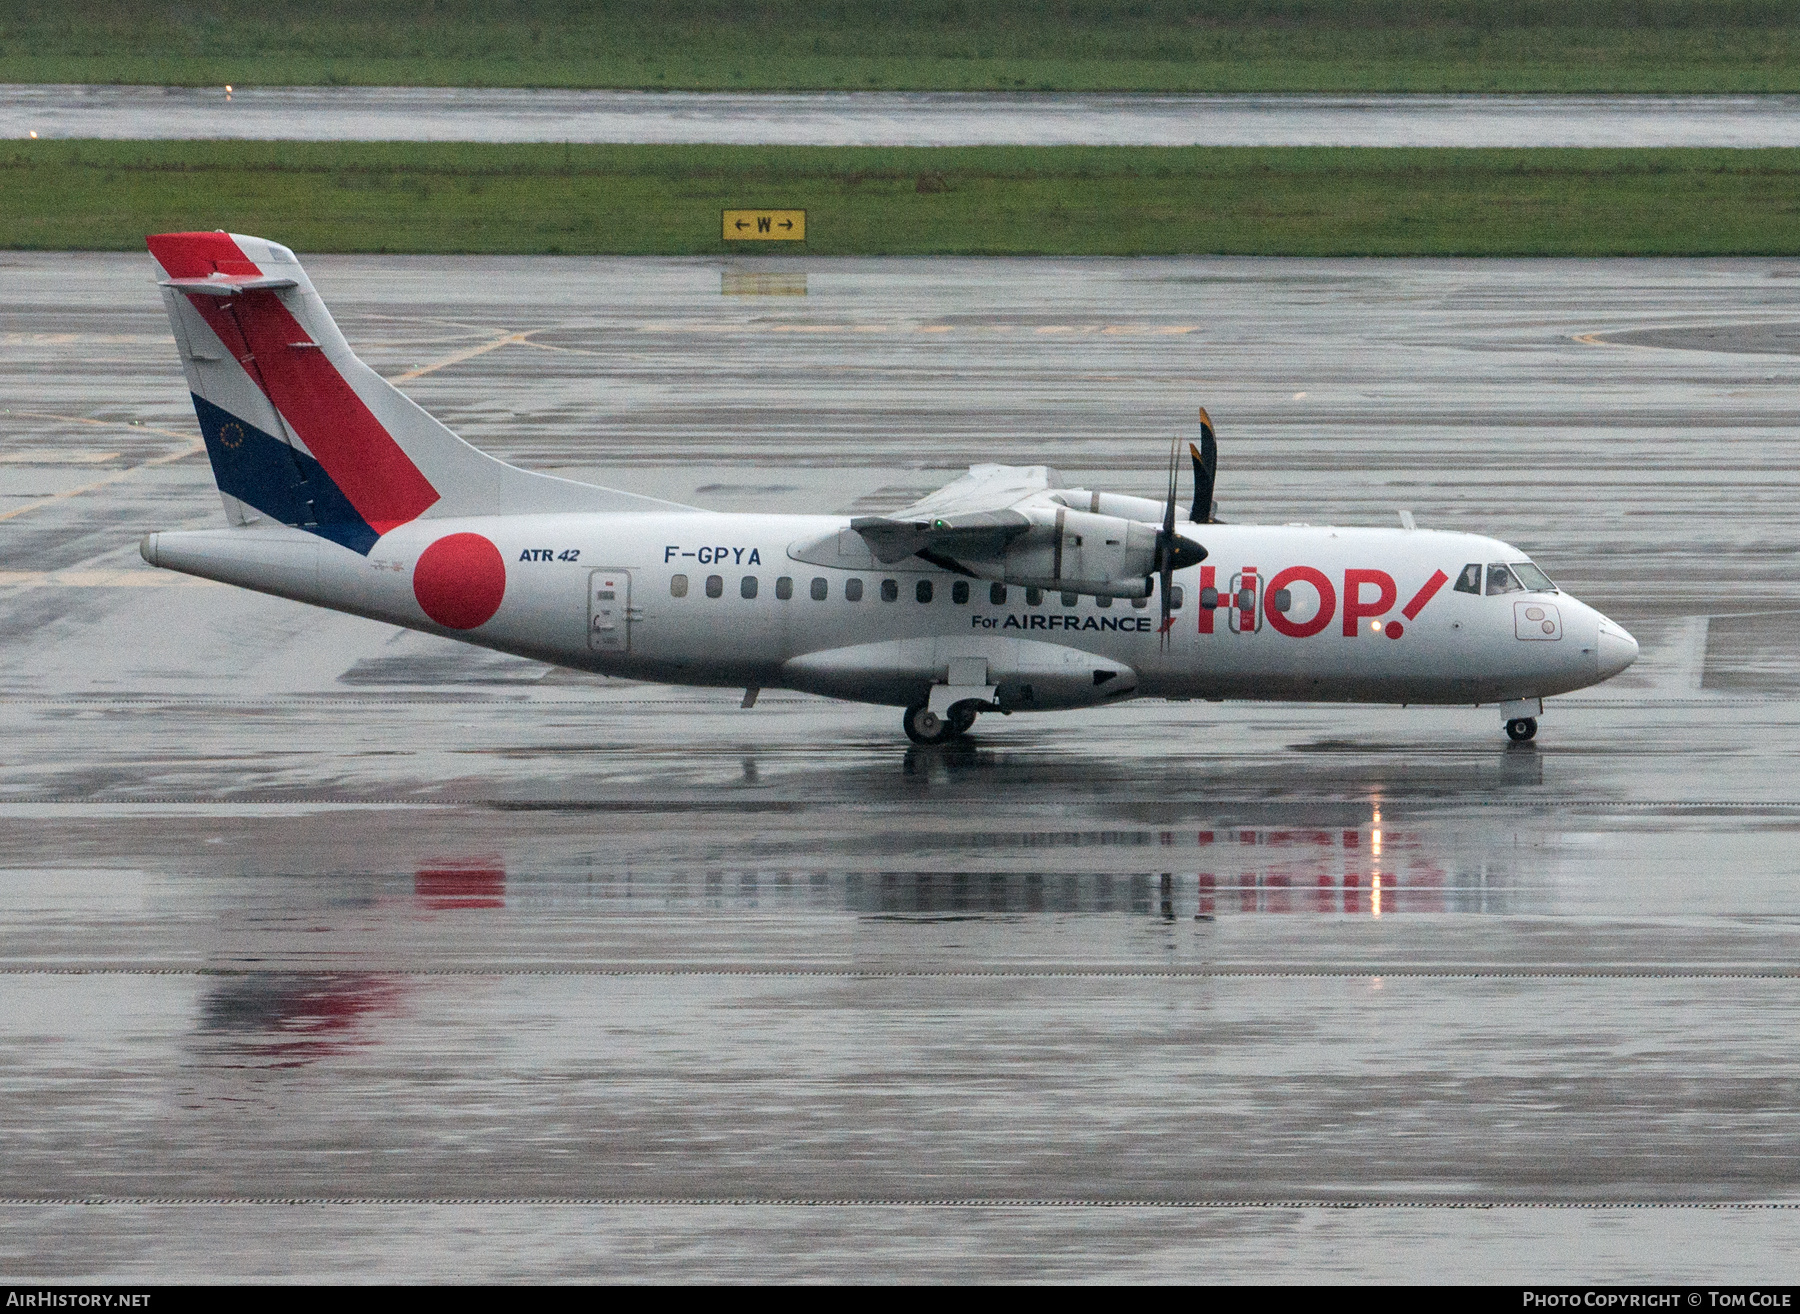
pixel 1245 616
pixel 609 611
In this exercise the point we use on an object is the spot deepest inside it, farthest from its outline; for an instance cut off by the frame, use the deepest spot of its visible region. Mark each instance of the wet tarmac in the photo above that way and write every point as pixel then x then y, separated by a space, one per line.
pixel 329 950
pixel 894 118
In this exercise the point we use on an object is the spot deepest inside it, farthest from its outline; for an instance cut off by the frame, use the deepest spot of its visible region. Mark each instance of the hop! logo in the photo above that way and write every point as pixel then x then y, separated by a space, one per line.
pixel 231 436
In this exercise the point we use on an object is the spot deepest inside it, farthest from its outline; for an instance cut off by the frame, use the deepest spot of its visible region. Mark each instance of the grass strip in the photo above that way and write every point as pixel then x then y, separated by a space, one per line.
pixel 1063 45
pixel 665 200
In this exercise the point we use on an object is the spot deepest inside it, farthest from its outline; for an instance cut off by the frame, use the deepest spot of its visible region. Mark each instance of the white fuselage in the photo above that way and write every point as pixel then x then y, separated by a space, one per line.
pixel 664 597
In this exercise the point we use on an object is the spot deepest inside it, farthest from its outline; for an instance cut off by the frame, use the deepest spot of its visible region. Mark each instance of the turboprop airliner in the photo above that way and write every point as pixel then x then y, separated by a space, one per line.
pixel 1005 591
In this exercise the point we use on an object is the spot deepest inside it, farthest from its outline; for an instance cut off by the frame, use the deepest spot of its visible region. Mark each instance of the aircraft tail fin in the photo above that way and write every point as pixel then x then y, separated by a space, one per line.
pixel 300 431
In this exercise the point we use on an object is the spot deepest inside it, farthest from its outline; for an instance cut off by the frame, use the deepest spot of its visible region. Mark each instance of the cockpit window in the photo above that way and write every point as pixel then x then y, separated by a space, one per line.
pixel 1534 580
pixel 1470 579
pixel 1501 580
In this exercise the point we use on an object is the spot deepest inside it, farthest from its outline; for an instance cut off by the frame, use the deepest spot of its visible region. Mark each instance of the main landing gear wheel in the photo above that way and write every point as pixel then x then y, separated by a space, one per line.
pixel 924 726
pixel 1521 729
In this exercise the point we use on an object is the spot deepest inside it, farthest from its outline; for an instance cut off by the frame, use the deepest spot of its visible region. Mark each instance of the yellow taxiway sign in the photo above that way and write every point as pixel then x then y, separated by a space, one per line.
pixel 765 225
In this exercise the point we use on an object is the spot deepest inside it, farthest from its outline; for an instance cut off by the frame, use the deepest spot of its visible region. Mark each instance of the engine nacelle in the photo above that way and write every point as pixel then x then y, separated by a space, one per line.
pixel 1075 552
pixel 1111 504
pixel 1048 546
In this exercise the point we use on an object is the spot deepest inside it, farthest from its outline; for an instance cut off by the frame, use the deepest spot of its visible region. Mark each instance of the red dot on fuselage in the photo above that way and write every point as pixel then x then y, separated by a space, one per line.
pixel 460 580
pixel 1395 629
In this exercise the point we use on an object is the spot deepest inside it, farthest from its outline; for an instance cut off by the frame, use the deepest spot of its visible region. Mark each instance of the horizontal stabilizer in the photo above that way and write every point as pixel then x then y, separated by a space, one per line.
pixel 228 285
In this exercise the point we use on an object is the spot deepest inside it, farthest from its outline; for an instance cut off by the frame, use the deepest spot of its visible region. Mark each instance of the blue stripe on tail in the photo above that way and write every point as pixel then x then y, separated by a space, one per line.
pixel 261 471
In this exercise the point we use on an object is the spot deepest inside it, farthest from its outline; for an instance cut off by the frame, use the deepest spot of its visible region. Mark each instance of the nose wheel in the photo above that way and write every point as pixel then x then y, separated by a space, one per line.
pixel 1521 729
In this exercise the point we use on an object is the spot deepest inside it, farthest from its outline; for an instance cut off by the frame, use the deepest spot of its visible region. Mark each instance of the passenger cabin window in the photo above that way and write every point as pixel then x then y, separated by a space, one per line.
pixel 1500 580
pixel 997 594
pixel 890 590
pixel 784 588
pixel 747 587
pixel 959 592
pixel 715 586
pixel 820 589
pixel 1532 578
pixel 853 590
pixel 923 591
pixel 678 586
pixel 1470 579
pixel 1070 599
pixel 1176 597
pixel 1034 597
pixel 1103 602
pixel 1141 603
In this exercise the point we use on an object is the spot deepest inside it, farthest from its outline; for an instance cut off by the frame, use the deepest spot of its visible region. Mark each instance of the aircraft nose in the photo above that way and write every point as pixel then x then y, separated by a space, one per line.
pixel 1617 649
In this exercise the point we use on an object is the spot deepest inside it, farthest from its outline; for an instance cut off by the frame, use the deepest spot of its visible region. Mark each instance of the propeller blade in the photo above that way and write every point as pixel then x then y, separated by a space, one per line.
pixel 1174 474
pixel 1206 468
pixel 1165 543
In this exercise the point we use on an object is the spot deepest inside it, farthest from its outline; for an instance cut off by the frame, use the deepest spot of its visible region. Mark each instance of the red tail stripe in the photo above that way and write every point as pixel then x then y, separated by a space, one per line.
pixel 195 255
pixel 1437 581
pixel 361 457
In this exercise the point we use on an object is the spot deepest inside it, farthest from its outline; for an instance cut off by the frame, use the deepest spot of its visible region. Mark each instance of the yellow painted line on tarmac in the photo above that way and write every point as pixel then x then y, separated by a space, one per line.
pixel 1595 339
pixel 716 326
pixel 195 445
pixel 50 456
pixel 64 339
pixel 167 458
pixel 141 577
pixel 107 424
pixel 468 353
pixel 574 351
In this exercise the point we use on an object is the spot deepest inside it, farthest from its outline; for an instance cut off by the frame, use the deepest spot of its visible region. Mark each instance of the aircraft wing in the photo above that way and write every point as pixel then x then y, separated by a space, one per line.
pixel 984 488
pixel 971 516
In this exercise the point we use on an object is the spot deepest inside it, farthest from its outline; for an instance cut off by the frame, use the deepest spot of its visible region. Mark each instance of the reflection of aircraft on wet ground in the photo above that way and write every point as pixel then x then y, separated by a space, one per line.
pixel 448 886
pixel 1362 869
pixel 289 1019
pixel 1003 591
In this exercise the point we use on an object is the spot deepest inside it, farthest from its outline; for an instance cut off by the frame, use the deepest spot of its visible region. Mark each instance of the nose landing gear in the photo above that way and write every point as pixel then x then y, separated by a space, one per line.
pixel 1521 728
